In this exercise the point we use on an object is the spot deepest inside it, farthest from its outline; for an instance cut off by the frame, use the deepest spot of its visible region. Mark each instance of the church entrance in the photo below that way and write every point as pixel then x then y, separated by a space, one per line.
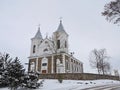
pixel 43 71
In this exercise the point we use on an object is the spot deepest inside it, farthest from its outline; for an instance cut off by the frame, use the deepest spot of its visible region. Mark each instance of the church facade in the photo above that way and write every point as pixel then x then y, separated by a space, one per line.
pixel 51 55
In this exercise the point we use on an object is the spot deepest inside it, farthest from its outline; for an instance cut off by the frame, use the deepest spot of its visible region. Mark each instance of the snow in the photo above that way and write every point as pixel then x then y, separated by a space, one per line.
pixel 53 84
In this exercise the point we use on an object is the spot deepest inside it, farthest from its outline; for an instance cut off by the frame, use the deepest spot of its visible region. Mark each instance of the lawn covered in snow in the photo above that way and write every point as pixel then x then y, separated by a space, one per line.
pixel 53 84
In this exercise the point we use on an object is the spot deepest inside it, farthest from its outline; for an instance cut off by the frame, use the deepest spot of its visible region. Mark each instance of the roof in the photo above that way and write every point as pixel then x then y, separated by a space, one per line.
pixel 38 34
pixel 60 27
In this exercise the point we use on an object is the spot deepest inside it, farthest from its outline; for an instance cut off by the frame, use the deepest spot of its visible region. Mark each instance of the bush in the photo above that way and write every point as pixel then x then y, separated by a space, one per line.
pixel 31 80
pixel 60 78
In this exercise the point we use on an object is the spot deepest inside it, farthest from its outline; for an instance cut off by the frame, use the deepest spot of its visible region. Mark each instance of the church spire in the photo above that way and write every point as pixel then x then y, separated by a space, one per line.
pixel 60 27
pixel 38 34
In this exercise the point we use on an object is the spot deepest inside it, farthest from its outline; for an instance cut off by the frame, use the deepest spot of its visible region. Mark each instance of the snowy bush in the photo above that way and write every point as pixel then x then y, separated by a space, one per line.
pixel 60 79
pixel 12 74
pixel 4 61
pixel 15 73
pixel 31 80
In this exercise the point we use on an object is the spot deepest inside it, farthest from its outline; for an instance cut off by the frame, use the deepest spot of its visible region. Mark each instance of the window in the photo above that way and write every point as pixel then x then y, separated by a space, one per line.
pixel 44 64
pixel 58 70
pixel 65 44
pixel 77 69
pixel 45 50
pixel 58 44
pixel 32 66
pixel 72 68
pixel 67 65
pixel 34 47
pixel 46 42
pixel 74 61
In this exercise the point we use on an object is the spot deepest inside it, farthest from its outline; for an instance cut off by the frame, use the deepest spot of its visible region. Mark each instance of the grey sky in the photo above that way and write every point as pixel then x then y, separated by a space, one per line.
pixel 82 20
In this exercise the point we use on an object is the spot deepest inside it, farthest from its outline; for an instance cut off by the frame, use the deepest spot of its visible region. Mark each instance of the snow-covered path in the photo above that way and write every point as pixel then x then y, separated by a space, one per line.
pixel 53 84
pixel 75 84
pixel 104 87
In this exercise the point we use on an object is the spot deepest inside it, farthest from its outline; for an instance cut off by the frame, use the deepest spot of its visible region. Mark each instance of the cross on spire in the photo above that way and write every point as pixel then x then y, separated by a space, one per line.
pixel 60 27
pixel 38 26
pixel 60 19
pixel 38 34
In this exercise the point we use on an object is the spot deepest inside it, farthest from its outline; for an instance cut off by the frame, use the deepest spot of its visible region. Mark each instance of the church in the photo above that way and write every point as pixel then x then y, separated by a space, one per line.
pixel 51 55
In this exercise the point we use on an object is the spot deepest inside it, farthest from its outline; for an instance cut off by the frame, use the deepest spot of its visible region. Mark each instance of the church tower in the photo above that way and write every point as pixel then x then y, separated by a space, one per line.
pixel 35 42
pixel 60 38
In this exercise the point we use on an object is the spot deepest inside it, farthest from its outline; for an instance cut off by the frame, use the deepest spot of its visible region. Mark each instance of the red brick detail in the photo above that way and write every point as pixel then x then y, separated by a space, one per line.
pixel 39 64
pixel 49 64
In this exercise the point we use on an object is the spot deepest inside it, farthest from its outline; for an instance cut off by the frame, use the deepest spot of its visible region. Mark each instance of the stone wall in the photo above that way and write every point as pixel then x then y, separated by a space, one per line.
pixel 78 76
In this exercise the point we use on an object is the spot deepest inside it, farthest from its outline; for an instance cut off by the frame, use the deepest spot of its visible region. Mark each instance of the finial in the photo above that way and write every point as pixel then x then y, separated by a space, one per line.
pixel 38 26
pixel 60 19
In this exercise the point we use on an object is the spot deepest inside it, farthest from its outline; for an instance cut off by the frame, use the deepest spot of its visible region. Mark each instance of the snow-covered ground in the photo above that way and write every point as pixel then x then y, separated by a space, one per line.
pixel 53 84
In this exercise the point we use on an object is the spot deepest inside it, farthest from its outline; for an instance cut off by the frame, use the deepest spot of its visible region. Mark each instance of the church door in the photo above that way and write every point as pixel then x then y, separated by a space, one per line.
pixel 43 71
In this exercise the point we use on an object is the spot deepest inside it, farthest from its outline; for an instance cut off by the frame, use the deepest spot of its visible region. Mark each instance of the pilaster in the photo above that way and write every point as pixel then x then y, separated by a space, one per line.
pixel 64 62
pixel 37 64
pixel 52 65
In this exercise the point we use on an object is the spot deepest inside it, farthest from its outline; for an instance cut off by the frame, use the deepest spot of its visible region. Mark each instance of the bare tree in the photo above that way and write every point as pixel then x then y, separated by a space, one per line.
pixel 99 60
pixel 107 68
pixel 112 11
pixel 94 60
pixel 116 72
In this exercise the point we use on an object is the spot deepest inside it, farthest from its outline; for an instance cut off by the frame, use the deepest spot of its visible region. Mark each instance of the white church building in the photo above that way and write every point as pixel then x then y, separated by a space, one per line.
pixel 51 55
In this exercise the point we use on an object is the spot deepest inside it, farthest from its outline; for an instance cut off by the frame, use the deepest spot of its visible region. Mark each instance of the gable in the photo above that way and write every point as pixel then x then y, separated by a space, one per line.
pixel 46 47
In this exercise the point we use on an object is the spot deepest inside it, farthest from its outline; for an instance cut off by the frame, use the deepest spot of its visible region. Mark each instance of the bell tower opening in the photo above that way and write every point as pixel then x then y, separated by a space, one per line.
pixel 58 44
pixel 65 44
pixel 34 47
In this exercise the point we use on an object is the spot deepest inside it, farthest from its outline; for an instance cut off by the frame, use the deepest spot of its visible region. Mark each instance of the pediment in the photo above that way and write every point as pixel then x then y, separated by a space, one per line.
pixel 46 47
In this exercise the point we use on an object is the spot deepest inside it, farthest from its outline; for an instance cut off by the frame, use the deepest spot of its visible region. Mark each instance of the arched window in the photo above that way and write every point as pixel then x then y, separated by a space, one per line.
pixel 34 47
pixel 44 63
pixel 32 66
pixel 65 44
pixel 58 44
pixel 67 65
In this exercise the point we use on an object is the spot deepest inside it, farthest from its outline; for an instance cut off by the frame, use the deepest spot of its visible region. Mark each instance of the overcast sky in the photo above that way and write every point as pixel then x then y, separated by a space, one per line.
pixel 82 20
